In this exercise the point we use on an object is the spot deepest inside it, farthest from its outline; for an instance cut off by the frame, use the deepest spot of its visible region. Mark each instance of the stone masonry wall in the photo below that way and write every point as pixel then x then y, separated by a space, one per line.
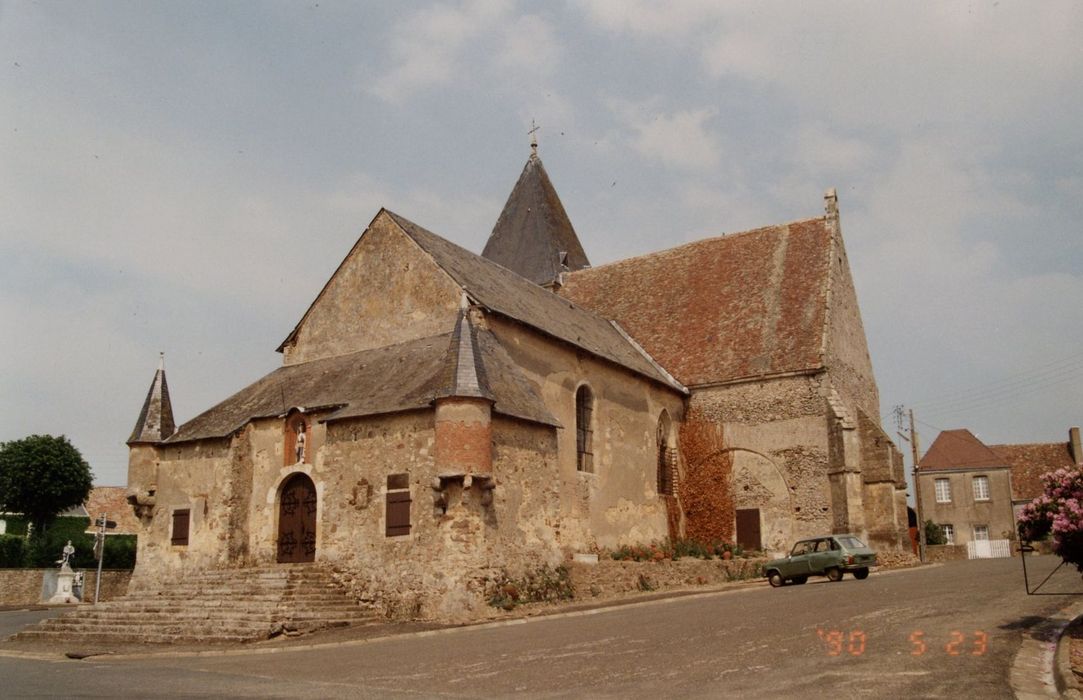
pixel 23 586
pixel 386 291
pixel 847 357
pixel 757 445
pixel 618 503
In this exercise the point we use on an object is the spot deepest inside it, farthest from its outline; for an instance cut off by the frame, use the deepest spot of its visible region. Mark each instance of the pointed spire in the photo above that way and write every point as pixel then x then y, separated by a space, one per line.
pixel 533 235
pixel 155 422
pixel 464 372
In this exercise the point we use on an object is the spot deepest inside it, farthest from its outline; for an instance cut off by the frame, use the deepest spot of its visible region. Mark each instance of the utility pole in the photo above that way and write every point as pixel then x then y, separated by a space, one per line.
pixel 917 488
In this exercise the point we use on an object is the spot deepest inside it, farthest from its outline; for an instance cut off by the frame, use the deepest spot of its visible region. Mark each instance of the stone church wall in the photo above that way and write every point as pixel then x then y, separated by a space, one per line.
pixel 766 443
pixel 847 353
pixel 386 291
pixel 187 477
pixel 618 503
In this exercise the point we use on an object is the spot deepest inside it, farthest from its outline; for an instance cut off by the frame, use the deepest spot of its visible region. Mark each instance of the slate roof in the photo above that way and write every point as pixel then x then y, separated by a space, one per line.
pixel 155 422
pixel 1029 462
pixel 961 450
pixel 402 377
pixel 513 296
pixel 722 309
pixel 533 230
pixel 464 373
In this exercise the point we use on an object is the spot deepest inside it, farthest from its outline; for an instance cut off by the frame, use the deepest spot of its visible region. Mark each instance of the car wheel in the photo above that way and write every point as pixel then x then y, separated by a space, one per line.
pixel 800 579
pixel 834 574
pixel 861 574
pixel 775 579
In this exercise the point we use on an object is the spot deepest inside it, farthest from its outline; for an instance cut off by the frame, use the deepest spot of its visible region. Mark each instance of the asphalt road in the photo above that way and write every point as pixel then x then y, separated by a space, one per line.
pixel 947 631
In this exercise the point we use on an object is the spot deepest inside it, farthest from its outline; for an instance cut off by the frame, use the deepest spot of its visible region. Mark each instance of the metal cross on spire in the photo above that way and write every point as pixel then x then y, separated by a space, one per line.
pixel 533 137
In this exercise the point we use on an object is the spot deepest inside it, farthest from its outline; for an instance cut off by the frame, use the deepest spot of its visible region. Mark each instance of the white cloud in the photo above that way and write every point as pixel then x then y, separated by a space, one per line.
pixel 681 139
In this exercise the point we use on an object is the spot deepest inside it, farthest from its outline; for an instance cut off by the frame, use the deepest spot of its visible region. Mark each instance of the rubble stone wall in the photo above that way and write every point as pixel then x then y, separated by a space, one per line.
pixel 23 586
pixel 386 291
pixel 761 444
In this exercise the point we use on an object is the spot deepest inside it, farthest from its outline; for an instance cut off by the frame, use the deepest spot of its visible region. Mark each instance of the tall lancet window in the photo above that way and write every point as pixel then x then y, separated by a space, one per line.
pixel 584 433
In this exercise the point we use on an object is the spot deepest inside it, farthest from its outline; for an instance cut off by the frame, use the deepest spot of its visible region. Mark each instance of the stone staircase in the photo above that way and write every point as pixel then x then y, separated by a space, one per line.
pixel 213 607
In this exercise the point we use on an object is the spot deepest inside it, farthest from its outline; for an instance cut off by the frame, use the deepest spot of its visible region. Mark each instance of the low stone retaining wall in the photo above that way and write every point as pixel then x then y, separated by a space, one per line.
pixel 945 552
pixel 23 586
pixel 612 578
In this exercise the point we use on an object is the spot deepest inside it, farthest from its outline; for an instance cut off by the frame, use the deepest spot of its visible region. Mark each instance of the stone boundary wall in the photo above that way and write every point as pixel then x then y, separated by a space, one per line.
pixel 23 586
pixel 945 552
pixel 610 578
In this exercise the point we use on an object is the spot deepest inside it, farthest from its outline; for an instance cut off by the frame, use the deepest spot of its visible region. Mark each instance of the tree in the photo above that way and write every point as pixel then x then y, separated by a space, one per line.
pixel 934 534
pixel 1057 512
pixel 40 476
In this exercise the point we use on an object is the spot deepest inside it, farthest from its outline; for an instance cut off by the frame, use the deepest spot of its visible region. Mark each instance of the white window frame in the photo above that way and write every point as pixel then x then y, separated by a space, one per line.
pixel 943 495
pixel 981 494
pixel 981 533
pixel 949 533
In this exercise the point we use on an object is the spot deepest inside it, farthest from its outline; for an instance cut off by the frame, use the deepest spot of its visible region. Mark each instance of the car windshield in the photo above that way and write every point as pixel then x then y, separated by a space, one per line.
pixel 851 542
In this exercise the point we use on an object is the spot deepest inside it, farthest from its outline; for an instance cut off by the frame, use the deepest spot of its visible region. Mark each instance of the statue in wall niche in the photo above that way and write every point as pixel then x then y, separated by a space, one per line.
pixel 299 451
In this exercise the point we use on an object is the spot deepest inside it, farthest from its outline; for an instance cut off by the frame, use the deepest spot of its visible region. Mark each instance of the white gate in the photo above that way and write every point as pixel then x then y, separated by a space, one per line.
pixel 988 549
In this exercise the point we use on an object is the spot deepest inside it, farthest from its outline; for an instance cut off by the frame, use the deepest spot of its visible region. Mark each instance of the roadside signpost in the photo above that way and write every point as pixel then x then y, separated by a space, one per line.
pixel 103 524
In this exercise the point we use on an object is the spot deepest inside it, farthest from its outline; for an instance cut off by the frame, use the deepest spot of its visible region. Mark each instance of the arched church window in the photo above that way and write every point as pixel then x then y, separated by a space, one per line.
pixel 298 433
pixel 584 435
pixel 666 456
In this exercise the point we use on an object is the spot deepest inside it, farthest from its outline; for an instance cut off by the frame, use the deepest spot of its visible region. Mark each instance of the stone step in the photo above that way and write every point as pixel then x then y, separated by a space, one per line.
pixel 137 617
pixel 250 631
pixel 127 638
pixel 215 606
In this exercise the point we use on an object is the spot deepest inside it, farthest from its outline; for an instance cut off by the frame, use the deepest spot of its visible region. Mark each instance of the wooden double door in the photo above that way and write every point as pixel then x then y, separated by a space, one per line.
pixel 297 520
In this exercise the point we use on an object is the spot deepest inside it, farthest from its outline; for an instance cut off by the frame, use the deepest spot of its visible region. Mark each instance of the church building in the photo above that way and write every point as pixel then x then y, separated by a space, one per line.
pixel 441 416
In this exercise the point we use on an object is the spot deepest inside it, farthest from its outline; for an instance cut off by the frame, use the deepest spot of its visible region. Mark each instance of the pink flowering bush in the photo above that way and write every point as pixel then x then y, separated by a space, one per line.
pixel 1058 511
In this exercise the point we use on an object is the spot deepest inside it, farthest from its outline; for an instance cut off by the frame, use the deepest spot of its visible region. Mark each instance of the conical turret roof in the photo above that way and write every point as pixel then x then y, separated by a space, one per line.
pixel 533 235
pixel 464 372
pixel 155 422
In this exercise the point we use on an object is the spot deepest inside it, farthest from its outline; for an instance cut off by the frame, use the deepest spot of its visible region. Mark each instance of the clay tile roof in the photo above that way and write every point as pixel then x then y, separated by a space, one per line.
pixel 722 309
pixel 1029 462
pixel 395 378
pixel 113 501
pixel 533 230
pixel 513 296
pixel 959 449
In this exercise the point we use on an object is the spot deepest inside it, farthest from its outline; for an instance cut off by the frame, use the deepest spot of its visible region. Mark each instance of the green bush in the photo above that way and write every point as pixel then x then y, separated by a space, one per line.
pixel 665 550
pixel 543 585
pixel 14 524
pixel 934 534
pixel 12 551
pixel 45 549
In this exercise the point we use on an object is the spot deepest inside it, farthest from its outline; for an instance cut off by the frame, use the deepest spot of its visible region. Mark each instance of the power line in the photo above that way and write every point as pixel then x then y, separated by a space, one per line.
pixel 1066 365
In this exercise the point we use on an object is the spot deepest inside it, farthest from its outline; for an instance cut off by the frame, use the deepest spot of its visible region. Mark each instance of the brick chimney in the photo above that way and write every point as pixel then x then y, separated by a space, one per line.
pixel 1074 446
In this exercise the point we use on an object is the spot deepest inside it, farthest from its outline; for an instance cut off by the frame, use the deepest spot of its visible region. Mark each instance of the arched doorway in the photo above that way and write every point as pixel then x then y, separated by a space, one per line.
pixel 297 520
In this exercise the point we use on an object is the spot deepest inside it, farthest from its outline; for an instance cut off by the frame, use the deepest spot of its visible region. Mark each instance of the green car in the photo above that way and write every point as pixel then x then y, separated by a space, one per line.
pixel 830 556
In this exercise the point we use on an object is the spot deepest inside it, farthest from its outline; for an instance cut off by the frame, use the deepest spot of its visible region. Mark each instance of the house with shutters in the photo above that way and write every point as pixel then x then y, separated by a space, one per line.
pixel 975 491
pixel 966 488
pixel 442 416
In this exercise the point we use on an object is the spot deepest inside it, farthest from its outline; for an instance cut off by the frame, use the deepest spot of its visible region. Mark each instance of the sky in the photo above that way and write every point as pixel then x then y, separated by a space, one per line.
pixel 184 177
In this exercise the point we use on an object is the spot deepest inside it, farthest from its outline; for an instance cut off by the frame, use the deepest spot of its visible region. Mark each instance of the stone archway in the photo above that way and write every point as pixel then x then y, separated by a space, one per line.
pixel 297 520
pixel 761 499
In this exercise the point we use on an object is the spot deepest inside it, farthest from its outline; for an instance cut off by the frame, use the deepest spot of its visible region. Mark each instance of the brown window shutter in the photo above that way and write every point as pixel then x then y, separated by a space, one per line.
pixel 180 527
pixel 398 513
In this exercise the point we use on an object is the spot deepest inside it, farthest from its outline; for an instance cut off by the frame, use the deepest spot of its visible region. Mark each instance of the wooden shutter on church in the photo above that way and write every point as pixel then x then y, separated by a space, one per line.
pixel 398 505
pixel 180 527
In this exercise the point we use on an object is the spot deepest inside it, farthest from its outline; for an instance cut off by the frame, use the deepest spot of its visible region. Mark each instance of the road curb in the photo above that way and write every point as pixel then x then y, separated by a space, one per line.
pixel 1040 669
